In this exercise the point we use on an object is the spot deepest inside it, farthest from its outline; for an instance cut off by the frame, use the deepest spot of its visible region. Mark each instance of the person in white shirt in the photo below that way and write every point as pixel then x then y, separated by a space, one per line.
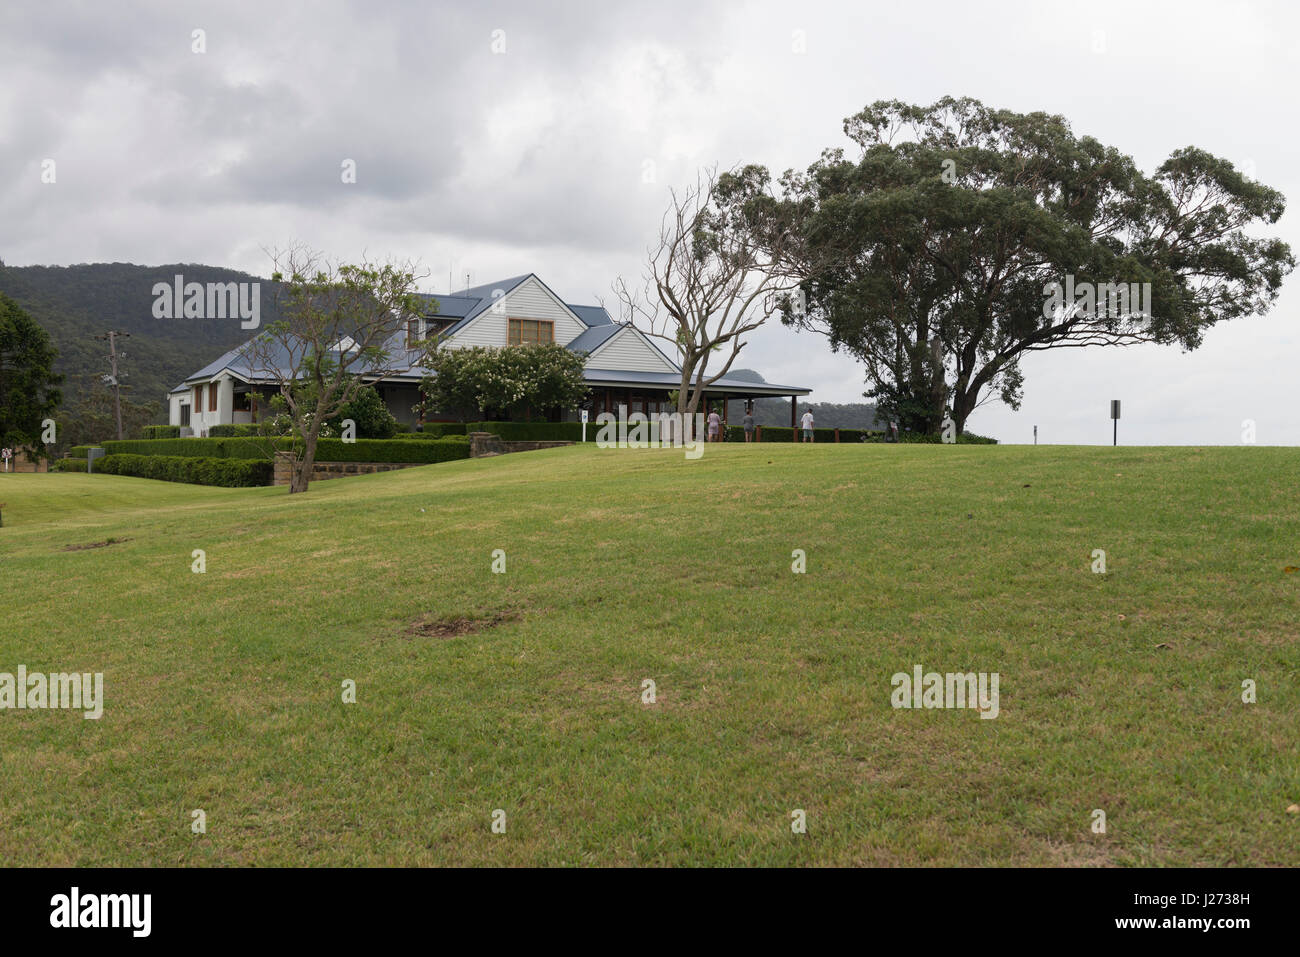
pixel 807 426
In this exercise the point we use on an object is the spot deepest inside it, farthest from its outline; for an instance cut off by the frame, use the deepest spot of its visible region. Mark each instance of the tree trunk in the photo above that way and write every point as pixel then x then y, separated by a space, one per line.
pixel 302 467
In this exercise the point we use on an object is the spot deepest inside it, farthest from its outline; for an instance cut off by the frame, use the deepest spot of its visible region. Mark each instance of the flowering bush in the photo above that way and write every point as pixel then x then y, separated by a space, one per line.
pixel 491 382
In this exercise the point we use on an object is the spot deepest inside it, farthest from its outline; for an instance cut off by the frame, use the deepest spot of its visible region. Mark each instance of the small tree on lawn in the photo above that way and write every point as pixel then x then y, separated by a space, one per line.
pixel 340 326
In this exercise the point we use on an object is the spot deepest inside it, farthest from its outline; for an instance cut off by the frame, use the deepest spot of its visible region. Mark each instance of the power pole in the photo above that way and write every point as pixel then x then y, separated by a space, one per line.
pixel 111 336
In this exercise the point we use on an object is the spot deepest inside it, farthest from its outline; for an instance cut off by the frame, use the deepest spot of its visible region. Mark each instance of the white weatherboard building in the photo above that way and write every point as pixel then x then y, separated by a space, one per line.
pixel 624 366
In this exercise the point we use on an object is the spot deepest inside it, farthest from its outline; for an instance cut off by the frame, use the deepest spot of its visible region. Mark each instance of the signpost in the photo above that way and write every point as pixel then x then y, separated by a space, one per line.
pixel 1114 415
pixel 583 413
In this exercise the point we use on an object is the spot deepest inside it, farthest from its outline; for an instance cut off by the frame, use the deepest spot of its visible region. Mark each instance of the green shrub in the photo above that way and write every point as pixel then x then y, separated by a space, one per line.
pixel 243 430
pixel 71 465
pixel 229 473
pixel 161 432
pixel 393 450
pixel 434 430
pixel 80 451
pixel 966 438
pixel 368 413
pixel 217 448
pixel 536 431
pixel 327 450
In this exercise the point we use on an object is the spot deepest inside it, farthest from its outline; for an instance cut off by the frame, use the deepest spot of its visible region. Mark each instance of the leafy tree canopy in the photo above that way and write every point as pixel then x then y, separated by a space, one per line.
pixel 962 238
pixel 29 391
pixel 484 381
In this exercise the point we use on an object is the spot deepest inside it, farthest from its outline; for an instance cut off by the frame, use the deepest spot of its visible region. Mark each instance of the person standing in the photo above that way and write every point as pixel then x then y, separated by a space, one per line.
pixel 715 425
pixel 807 421
pixel 748 423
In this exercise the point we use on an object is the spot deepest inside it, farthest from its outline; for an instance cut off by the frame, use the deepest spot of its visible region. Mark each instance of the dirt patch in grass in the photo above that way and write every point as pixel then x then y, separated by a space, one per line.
pixel 105 542
pixel 452 627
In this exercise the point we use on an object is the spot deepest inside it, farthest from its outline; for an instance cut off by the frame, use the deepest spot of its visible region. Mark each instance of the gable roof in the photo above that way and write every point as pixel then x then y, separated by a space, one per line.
pixel 591 315
pixel 596 345
pixel 466 305
pixel 593 338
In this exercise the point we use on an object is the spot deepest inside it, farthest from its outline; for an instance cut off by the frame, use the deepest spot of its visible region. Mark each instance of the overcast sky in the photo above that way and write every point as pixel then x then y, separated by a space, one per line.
pixel 503 138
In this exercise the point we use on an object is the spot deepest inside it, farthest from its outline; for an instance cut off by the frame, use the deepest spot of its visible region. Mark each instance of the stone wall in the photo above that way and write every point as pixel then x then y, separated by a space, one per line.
pixel 330 470
pixel 483 444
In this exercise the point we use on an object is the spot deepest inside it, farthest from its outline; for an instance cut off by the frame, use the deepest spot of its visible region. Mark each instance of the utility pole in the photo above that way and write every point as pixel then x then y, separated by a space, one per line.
pixel 111 336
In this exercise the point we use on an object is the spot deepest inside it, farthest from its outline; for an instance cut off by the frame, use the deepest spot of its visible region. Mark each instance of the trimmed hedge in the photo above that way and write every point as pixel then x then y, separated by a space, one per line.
pixel 447 449
pixel 536 431
pixel 434 430
pixel 242 430
pixel 920 438
pixel 228 473
pixel 327 450
pixel 775 433
pixel 71 465
pixel 80 451
pixel 162 432
pixel 227 448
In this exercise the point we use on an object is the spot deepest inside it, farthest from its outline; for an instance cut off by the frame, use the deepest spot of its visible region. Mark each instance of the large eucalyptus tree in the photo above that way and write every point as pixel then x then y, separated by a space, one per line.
pixel 962 238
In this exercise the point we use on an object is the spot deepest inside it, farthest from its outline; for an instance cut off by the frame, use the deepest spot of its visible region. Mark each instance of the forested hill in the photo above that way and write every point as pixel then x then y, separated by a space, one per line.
pixel 76 303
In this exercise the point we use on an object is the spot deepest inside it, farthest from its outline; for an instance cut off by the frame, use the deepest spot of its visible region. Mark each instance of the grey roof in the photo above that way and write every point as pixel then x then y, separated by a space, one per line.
pixel 480 296
pixel 591 315
pixel 269 368
pixel 673 380
pixel 465 304
pixel 450 307
pixel 592 338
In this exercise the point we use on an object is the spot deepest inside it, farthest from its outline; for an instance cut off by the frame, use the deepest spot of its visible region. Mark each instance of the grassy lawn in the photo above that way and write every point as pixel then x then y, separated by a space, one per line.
pixel 523 691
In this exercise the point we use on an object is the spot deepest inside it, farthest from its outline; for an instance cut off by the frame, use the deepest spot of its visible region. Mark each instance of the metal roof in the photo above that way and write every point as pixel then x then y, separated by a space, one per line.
pixel 673 380
pixel 590 340
pixel 591 315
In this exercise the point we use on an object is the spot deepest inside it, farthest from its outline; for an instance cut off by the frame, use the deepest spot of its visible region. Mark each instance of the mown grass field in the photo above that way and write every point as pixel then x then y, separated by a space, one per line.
pixel 1120 692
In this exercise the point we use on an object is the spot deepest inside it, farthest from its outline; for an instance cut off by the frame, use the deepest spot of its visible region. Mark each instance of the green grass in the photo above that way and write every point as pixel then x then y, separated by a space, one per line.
pixel 224 689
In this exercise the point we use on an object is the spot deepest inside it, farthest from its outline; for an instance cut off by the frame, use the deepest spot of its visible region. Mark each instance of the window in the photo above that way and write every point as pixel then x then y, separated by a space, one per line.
pixel 212 397
pixel 531 332
pixel 185 413
pixel 198 399
pixel 414 331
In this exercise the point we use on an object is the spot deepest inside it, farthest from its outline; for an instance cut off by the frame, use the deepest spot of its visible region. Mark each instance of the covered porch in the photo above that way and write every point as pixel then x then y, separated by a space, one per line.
pixel 648 393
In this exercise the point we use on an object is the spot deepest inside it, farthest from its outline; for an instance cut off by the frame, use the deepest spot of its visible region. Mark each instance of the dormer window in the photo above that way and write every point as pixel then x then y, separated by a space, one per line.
pixel 415 332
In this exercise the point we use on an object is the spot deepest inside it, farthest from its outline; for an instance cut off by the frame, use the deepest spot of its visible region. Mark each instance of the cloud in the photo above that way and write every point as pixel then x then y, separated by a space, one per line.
pixel 506 137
